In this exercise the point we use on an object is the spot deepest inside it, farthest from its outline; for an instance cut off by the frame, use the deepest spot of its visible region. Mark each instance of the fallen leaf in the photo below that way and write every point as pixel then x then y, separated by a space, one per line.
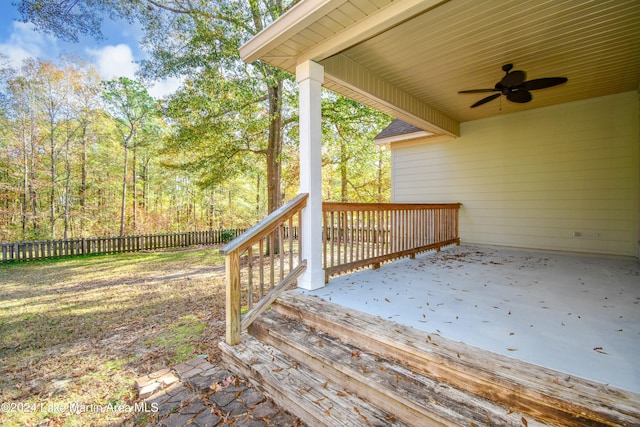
pixel 524 421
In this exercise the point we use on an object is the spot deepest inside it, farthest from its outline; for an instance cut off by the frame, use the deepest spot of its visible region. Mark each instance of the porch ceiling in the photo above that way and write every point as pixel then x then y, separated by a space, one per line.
pixel 409 58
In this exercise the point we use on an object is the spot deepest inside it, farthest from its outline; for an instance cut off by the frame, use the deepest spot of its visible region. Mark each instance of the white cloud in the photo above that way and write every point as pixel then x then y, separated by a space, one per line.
pixel 25 42
pixel 118 61
pixel 111 61
pixel 165 87
pixel 114 61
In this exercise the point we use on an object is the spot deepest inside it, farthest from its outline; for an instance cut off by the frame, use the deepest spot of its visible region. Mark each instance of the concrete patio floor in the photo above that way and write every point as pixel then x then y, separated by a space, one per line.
pixel 571 313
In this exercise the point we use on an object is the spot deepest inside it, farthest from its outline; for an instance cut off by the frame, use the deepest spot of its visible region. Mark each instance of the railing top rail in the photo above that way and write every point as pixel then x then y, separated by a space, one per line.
pixel 265 226
pixel 339 206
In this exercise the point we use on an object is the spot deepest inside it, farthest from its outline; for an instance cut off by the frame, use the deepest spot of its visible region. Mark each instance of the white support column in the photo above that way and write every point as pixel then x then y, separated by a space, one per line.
pixel 309 76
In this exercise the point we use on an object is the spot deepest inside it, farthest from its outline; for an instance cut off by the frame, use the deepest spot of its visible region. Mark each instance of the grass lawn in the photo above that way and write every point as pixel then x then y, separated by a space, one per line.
pixel 79 331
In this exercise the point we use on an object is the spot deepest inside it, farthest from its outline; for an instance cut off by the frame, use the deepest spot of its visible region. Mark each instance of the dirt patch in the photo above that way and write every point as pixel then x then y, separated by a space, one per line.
pixel 80 331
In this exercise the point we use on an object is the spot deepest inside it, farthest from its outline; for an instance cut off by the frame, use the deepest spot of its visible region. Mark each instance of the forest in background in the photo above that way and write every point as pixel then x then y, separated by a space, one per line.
pixel 81 157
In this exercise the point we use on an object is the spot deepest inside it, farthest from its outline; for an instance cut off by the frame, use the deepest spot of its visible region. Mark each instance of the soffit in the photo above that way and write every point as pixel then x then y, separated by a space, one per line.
pixel 431 50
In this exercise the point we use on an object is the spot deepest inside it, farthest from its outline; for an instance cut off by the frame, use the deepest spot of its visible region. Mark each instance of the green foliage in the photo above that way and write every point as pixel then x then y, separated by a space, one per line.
pixel 222 152
pixel 355 169
pixel 227 235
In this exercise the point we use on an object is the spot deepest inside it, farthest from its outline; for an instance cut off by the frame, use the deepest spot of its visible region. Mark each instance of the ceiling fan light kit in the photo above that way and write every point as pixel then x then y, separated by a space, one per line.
pixel 515 86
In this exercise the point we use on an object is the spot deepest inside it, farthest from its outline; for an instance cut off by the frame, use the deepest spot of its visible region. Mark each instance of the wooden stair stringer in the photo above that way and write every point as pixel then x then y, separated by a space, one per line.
pixel 314 399
pixel 546 395
pixel 414 398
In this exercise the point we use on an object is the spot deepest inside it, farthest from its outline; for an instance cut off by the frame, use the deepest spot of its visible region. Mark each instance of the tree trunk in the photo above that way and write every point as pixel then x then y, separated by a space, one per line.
pixel 343 171
pixel 135 188
pixel 124 184
pixel 33 179
pixel 145 185
pixel 274 147
pixel 25 184
pixel 274 151
pixel 380 157
pixel 83 178
pixel 67 188
pixel 52 193
pixel 258 196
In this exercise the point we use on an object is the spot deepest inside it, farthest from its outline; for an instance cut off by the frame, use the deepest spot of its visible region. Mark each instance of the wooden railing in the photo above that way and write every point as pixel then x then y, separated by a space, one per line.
pixel 260 264
pixel 32 250
pixel 357 235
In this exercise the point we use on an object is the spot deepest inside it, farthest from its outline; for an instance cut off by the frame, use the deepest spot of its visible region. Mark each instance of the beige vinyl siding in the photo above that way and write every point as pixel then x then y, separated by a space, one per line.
pixel 532 179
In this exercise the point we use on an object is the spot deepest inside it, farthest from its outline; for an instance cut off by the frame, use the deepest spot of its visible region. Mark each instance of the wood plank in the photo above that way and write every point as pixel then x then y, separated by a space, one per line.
pixel 385 258
pixel 414 398
pixel 232 269
pixel 267 225
pixel 313 398
pixel 271 296
pixel 342 207
pixel 546 395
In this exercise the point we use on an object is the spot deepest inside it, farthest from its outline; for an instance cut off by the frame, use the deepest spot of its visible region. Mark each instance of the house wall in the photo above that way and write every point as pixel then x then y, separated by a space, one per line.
pixel 565 177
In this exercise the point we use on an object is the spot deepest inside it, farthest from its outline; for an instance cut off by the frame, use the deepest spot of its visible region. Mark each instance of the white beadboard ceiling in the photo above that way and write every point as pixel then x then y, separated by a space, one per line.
pixel 431 49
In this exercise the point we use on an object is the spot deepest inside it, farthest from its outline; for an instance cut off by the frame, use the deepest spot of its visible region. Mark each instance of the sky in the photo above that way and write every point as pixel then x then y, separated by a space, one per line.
pixel 113 57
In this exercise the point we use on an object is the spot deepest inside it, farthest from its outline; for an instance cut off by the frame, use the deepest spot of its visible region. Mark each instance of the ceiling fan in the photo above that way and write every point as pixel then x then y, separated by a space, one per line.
pixel 514 86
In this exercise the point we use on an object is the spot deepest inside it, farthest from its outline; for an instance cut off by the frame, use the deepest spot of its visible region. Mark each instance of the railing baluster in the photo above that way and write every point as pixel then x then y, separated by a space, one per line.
pixel 271 248
pixel 367 234
pixel 354 237
pixel 281 251
pixel 291 243
pixel 250 276
pixel 261 261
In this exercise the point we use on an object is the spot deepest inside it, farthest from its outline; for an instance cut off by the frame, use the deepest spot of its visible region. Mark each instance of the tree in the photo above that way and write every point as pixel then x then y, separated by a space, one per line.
pixel 131 107
pixel 87 107
pixel 205 38
pixel 362 168
pixel 23 126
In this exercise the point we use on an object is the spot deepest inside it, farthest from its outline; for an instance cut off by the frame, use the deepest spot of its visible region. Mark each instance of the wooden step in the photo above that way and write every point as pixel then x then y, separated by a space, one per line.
pixel 545 395
pixel 413 397
pixel 310 396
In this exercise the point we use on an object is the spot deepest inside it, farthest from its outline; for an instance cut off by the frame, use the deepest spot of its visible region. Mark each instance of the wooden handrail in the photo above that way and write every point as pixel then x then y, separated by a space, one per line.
pixel 340 206
pixel 265 226
pixel 263 247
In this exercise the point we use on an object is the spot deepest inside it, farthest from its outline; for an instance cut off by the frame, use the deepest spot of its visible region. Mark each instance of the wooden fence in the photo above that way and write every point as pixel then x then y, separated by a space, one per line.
pixel 24 251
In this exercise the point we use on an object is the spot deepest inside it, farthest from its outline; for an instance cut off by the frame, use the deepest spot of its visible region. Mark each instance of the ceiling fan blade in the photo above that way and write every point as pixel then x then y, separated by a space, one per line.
pixel 479 90
pixel 514 78
pixel 544 83
pixel 487 99
pixel 520 96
